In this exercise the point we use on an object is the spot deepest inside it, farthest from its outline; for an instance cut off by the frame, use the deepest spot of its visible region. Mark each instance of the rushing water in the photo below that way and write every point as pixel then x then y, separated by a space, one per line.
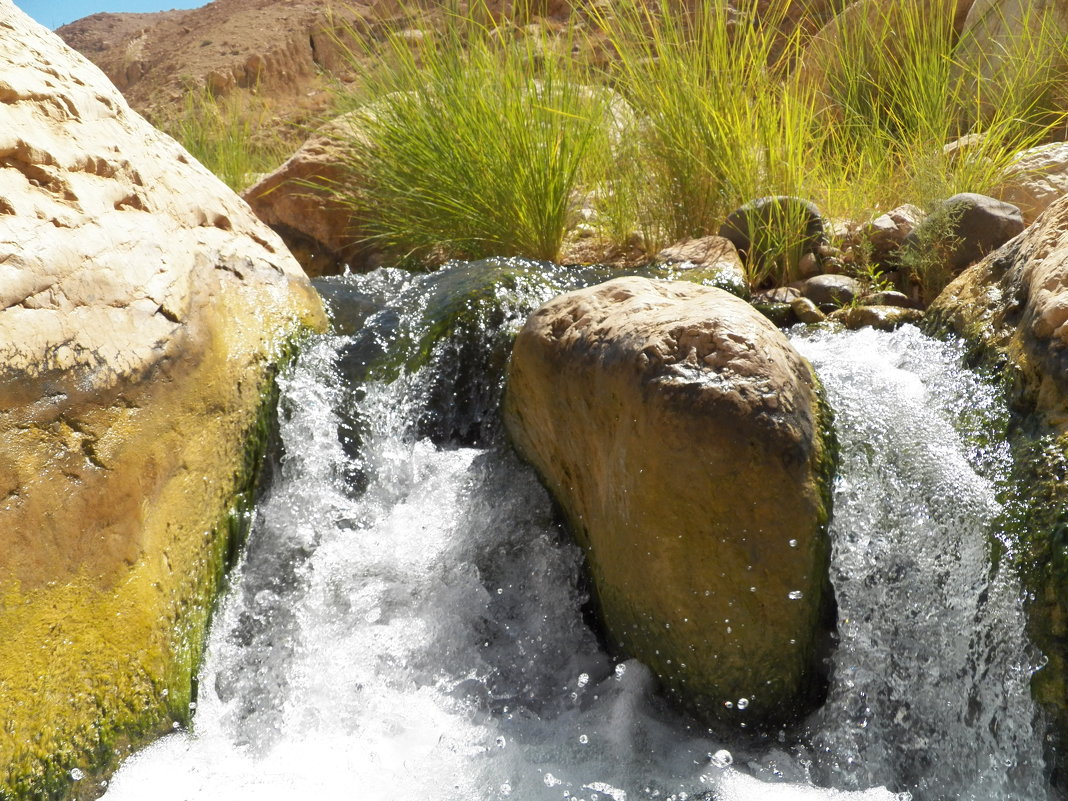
pixel 408 622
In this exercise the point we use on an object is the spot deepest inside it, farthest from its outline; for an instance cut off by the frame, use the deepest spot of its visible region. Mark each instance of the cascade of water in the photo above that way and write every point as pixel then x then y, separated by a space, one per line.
pixel 933 667
pixel 407 621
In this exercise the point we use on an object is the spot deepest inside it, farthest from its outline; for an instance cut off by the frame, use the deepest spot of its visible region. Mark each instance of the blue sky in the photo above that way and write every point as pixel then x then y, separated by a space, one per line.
pixel 53 13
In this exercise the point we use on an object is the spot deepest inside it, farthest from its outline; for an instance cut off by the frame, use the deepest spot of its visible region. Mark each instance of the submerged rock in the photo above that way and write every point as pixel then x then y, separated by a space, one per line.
pixel 881 318
pixel 142 312
pixel 687 444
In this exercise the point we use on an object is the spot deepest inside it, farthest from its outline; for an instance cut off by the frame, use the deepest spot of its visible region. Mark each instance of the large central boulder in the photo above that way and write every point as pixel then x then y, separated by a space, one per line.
pixel 143 311
pixel 686 441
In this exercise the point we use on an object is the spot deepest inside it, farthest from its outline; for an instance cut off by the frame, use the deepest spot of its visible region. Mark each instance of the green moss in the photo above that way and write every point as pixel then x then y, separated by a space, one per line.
pixel 93 671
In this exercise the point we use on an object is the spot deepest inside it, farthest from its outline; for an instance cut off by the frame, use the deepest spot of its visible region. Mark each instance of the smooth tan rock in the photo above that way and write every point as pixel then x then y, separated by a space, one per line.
pixel 806 311
pixel 1039 177
pixel 142 306
pixel 705 251
pixel 297 202
pixel 684 438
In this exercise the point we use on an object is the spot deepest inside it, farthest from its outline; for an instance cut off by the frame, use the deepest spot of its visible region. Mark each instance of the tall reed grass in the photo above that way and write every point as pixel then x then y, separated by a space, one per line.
pixel 477 137
pixel 472 141
pixel 233 136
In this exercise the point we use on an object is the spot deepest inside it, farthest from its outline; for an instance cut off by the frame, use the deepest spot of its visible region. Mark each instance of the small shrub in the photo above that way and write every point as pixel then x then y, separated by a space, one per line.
pixel 472 142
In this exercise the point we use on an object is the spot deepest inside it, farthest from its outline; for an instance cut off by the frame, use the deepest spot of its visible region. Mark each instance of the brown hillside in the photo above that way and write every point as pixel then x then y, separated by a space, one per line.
pixel 280 47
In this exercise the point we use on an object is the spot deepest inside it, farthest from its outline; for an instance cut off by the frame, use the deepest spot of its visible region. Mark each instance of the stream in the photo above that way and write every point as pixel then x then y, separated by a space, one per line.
pixel 409 619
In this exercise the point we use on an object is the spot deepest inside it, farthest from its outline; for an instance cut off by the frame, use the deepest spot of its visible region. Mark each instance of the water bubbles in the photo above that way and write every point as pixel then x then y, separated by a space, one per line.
pixel 164 693
pixel 721 759
pixel 583 679
pixel 620 670
pixel 743 703
pixel 793 543
pixel 584 739
pixel 506 789
pixel 795 595
pixel 551 781
pixel 77 774
pixel 729 704
pixel 501 742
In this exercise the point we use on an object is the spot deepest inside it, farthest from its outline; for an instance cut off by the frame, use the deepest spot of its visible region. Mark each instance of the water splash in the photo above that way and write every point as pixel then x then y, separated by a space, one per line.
pixel 407 621
pixel 932 671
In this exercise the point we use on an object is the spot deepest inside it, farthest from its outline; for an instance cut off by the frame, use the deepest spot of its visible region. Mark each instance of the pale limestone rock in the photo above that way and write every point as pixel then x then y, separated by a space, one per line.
pixel 1039 176
pixel 141 308
pixel 1015 302
pixel 706 251
pixel 887 232
pixel 685 440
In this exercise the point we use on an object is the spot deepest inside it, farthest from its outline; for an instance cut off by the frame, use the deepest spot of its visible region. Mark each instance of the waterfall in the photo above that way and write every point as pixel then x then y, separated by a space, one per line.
pixel 409 619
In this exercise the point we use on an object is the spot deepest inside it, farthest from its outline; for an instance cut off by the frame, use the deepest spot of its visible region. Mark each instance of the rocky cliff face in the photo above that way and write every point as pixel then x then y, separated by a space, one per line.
pixel 280 47
pixel 143 309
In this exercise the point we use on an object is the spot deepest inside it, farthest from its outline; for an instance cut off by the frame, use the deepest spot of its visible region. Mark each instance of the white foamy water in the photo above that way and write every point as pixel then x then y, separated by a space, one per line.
pixel 407 622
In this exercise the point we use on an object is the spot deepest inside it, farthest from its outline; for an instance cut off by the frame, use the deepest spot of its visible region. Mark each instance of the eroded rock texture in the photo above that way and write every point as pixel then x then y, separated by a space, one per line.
pixel 685 440
pixel 142 307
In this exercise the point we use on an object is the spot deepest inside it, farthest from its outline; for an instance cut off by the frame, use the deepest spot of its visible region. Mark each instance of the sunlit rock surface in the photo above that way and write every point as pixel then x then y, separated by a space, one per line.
pixel 685 440
pixel 141 308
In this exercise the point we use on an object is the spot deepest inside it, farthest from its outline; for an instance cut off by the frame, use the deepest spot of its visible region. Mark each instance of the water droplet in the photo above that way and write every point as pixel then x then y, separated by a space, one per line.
pixel 793 543
pixel 76 774
pixel 743 703
pixel 583 679
pixel 721 758
pixel 728 704
pixel 501 742
pixel 583 739
pixel 795 595
pixel 500 590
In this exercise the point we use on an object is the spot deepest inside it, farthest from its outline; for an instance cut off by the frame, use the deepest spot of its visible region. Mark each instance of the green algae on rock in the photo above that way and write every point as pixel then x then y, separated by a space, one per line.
pixel 143 311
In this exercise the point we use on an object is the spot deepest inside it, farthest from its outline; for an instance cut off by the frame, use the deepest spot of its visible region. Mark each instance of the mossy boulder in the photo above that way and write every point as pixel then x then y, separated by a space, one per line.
pixel 688 446
pixel 143 311
pixel 1012 309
